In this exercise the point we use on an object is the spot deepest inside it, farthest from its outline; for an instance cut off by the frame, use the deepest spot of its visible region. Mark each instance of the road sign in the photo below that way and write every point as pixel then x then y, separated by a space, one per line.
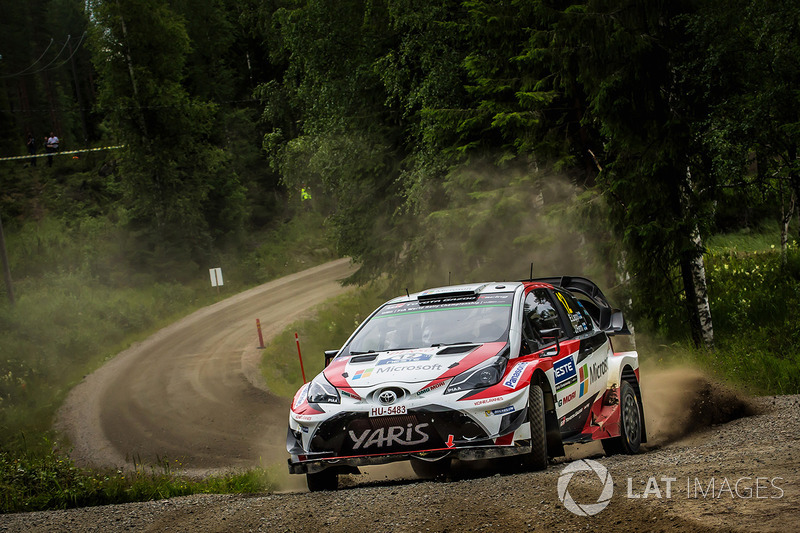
pixel 216 277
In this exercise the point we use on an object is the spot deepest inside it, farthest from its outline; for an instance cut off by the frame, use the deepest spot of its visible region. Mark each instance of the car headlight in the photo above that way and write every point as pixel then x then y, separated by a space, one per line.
pixel 484 375
pixel 321 391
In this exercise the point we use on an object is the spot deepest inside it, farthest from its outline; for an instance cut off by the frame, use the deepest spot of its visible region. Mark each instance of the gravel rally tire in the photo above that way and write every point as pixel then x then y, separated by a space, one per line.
pixel 537 459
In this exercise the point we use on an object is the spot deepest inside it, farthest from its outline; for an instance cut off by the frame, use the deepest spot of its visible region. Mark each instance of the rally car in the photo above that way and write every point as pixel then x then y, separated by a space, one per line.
pixel 470 372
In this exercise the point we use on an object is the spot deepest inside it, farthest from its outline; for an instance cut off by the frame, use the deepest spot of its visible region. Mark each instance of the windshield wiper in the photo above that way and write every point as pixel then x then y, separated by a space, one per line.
pixel 438 344
pixel 363 353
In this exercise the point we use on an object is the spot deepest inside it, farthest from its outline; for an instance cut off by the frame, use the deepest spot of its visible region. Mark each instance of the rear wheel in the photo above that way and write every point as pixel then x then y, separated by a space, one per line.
pixel 324 480
pixel 630 424
pixel 430 469
pixel 537 459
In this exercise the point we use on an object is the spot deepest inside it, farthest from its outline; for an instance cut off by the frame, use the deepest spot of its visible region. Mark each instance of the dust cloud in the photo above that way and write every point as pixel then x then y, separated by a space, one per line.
pixel 682 400
pixel 499 225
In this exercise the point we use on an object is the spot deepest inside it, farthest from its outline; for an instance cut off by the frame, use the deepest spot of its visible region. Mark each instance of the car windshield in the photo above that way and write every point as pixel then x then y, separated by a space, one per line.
pixel 446 321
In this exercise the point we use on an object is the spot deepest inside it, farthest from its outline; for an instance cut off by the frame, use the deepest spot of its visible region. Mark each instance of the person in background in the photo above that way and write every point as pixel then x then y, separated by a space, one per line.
pixel 51 147
pixel 305 197
pixel 30 142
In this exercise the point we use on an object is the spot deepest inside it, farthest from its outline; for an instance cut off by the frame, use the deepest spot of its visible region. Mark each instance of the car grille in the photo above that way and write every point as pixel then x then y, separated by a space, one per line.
pixel 354 434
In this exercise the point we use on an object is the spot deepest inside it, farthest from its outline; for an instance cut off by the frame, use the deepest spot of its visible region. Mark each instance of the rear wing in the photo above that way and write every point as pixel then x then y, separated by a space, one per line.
pixel 596 304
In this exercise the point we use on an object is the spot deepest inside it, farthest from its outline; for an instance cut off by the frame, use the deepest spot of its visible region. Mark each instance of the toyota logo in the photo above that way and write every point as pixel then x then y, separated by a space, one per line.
pixel 387 397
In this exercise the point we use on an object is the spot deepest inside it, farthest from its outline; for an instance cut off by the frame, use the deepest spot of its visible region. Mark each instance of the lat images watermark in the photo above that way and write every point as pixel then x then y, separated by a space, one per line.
pixel 586 509
pixel 665 487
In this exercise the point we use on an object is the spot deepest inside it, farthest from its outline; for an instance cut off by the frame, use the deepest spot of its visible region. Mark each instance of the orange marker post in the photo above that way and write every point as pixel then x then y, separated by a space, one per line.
pixel 303 372
pixel 260 337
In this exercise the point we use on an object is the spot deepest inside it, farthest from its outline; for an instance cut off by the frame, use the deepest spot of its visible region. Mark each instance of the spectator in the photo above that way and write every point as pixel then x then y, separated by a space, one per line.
pixel 30 142
pixel 51 147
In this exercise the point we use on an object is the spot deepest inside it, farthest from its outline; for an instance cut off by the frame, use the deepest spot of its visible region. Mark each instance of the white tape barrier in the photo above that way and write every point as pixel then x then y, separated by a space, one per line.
pixel 62 153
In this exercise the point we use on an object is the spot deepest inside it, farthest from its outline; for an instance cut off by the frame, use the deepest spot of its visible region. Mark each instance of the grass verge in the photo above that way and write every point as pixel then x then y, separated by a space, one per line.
pixel 34 482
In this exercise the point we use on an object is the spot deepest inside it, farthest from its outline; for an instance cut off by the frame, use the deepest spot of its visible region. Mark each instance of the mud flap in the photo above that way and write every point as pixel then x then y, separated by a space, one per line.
pixel 555 447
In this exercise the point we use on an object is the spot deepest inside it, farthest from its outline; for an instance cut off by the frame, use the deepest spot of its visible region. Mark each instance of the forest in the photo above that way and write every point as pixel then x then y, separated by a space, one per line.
pixel 439 140
pixel 650 145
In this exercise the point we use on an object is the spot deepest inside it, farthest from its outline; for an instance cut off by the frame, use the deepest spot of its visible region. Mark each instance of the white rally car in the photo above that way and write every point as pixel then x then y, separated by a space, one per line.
pixel 471 372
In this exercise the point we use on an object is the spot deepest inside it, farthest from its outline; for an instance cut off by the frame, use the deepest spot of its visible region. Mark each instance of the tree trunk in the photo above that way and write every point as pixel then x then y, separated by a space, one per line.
pixel 786 217
pixel 691 297
pixel 794 181
pixel 703 308
pixel 693 274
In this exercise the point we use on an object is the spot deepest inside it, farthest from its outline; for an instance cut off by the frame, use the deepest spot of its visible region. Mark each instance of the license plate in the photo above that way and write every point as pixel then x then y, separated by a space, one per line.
pixel 388 410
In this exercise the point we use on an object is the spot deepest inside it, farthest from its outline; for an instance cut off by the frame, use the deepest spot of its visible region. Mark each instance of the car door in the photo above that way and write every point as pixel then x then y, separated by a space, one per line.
pixel 586 353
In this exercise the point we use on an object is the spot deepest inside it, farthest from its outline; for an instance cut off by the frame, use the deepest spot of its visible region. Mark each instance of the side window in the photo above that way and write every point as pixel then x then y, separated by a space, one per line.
pixel 540 311
pixel 577 315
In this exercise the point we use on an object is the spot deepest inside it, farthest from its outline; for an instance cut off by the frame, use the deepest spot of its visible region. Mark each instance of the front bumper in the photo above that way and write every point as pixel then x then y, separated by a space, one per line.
pixel 308 465
pixel 350 439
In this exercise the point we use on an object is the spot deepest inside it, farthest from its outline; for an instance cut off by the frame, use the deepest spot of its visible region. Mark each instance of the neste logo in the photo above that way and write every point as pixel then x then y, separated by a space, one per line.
pixel 564 372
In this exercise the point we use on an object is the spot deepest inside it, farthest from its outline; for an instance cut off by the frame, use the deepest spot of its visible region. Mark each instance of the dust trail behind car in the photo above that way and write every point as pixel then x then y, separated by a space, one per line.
pixel 682 400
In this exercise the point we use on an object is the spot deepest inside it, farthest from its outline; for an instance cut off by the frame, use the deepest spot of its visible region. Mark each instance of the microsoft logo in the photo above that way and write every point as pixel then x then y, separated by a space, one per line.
pixel 363 373
pixel 584 379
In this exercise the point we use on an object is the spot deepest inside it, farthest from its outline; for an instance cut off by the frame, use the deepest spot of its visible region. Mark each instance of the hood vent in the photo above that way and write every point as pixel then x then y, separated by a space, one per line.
pixel 459 348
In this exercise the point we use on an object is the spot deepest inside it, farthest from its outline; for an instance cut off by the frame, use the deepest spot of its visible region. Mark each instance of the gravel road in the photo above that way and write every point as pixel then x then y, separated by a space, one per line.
pixel 716 461
pixel 758 456
pixel 192 392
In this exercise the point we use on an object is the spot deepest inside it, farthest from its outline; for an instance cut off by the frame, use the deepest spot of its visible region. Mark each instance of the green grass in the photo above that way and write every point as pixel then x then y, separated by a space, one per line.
pixel 328 329
pixel 41 481
pixel 762 239
pixel 78 305
pixel 754 296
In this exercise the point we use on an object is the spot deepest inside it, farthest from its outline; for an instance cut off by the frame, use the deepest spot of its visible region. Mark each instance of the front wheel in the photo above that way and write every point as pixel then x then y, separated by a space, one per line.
pixel 537 459
pixel 324 480
pixel 630 424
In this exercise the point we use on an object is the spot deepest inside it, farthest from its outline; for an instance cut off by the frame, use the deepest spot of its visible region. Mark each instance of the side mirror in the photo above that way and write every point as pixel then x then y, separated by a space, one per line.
pixel 329 355
pixel 617 324
pixel 617 320
pixel 554 333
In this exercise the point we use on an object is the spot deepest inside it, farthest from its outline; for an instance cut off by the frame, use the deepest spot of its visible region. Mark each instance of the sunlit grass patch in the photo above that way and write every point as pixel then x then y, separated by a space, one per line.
pixel 49 480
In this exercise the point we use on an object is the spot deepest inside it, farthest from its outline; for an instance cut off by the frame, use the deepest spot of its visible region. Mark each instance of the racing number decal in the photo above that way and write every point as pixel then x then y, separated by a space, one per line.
pixel 564 301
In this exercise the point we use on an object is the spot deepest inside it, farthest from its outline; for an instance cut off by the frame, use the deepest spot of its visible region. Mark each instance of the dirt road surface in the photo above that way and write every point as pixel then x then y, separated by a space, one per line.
pixel 192 392
pixel 715 460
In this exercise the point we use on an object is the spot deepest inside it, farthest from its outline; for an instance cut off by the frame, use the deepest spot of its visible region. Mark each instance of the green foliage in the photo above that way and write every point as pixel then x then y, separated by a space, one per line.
pixel 176 177
pixel 754 295
pixel 301 242
pixel 50 480
pixel 757 292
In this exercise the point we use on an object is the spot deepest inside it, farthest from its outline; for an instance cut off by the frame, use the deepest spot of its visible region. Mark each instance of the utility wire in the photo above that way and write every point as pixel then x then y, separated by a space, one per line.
pixel 21 72
pixel 47 67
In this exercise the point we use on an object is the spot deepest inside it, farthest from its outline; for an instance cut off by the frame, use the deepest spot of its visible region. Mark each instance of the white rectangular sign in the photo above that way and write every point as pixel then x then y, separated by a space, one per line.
pixel 216 276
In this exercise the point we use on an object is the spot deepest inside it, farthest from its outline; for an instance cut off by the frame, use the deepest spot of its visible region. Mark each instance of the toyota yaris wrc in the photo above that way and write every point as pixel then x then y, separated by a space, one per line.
pixel 471 372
